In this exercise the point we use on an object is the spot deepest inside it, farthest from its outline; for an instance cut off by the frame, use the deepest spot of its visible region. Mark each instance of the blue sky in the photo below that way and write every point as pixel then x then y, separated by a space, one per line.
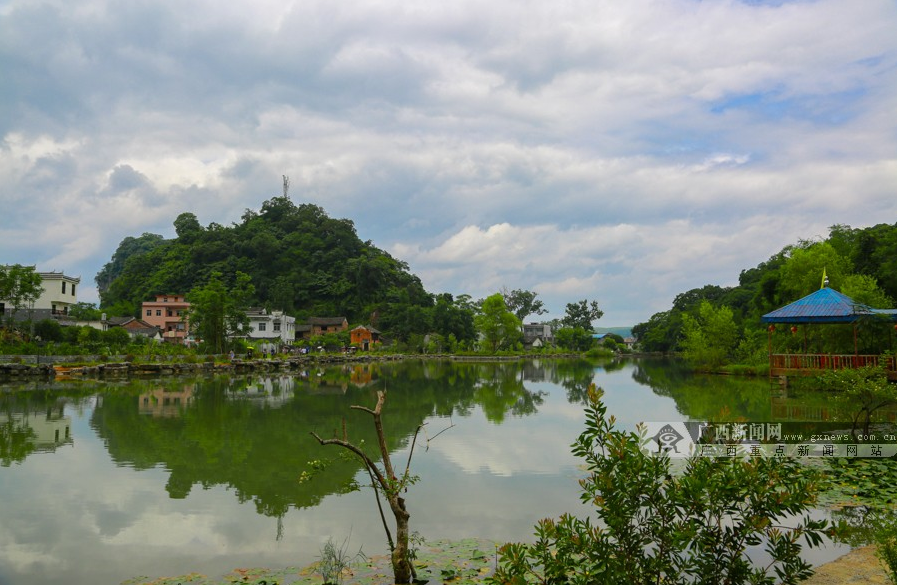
pixel 617 151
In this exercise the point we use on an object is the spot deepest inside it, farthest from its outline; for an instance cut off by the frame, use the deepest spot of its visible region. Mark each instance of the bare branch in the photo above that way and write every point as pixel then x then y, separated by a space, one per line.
pixel 372 467
pixel 411 452
pixel 451 426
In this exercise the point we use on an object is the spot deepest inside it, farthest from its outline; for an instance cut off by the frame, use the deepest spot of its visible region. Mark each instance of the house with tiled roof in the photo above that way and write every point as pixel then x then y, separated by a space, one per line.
pixel 271 326
pixel 364 337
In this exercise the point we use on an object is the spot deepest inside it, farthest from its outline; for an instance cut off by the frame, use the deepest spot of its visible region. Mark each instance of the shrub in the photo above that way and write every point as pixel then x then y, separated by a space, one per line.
pixel 655 526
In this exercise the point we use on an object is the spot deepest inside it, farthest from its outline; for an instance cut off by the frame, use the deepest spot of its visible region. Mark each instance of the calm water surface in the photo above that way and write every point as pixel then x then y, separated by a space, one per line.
pixel 102 482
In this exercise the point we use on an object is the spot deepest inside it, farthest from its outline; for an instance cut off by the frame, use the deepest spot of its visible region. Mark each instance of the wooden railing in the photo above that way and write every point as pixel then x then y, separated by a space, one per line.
pixel 810 364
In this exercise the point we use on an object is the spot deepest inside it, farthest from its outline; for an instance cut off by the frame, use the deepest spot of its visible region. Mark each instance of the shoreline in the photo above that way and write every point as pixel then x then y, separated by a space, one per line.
pixel 12 372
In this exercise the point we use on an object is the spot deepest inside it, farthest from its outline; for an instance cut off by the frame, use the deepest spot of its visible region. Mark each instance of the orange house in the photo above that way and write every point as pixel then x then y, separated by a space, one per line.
pixel 364 337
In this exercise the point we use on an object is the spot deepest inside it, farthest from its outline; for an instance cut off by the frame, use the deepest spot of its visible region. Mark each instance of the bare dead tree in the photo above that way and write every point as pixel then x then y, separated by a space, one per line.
pixel 385 480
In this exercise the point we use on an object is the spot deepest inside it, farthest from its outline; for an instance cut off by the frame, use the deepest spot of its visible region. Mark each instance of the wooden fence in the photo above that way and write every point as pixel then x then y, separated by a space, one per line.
pixel 810 364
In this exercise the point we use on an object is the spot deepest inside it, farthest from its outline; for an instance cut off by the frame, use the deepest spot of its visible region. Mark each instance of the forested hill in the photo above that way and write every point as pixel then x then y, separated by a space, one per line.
pixel 859 262
pixel 299 259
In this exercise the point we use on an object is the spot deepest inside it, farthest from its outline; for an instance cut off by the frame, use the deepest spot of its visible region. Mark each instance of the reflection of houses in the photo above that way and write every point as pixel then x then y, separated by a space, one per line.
pixel 362 374
pixel 534 371
pixel 364 337
pixel 270 391
pixel 537 334
pixel 271 327
pixel 316 326
pixel 46 430
pixel 821 308
pixel 165 403
pixel 169 314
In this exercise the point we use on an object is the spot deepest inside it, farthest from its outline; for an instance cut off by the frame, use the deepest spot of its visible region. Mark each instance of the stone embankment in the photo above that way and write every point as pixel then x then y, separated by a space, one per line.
pixel 13 371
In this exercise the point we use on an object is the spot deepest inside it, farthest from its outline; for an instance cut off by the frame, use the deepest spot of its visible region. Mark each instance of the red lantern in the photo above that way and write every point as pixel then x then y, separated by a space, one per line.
pixel 772 328
pixel 794 329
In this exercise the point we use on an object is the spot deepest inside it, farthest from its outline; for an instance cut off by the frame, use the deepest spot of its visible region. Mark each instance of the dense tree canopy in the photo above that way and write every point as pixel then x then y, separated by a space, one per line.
pixel 861 263
pixel 298 259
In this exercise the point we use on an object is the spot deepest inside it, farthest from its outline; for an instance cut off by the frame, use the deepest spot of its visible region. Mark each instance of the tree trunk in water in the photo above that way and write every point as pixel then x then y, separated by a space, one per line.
pixel 401 565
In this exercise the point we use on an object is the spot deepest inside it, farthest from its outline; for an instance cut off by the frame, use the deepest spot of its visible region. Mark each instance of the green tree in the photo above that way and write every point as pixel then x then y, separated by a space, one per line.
pixel 573 338
pixel 523 303
pixel 187 227
pixel 864 289
pixel 862 391
pixel 711 337
pixel 218 313
pixel 116 338
pixel 48 330
pixel 581 314
pixel 497 325
pixel 802 272
pixel 85 312
pixel 20 286
pixel 130 246
pixel 656 525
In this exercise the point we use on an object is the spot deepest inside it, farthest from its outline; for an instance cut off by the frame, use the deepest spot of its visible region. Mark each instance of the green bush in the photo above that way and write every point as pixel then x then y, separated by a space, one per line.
pixel 657 526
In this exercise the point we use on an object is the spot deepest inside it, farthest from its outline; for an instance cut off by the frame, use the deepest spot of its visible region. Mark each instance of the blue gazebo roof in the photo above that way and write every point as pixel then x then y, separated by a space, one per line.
pixel 826 305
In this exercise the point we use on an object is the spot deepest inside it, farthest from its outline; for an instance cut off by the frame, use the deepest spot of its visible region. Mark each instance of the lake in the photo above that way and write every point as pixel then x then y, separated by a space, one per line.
pixel 102 482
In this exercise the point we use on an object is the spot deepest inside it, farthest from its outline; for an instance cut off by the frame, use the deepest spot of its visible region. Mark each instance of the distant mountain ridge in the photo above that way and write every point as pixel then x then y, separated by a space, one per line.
pixel 623 332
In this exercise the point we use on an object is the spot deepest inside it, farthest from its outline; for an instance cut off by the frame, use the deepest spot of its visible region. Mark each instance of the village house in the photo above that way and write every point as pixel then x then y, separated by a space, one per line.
pixel 274 327
pixel 537 334
pixel 364 337
pixel 169 314
pixel 134 326
pixel 316 326
pixel 59 294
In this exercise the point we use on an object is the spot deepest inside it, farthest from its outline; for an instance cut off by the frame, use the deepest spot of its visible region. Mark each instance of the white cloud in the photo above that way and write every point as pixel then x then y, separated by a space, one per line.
pixel 583 148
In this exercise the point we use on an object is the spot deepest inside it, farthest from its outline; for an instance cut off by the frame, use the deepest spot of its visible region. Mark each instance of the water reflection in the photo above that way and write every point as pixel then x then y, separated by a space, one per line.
pixel 32 422
pixel 165 477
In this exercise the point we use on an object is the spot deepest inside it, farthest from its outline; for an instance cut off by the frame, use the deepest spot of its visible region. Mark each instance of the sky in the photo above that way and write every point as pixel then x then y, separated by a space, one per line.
pixel 623 152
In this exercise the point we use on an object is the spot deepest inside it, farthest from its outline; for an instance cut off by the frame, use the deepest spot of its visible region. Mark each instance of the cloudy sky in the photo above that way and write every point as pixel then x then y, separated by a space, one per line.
pixel 622 151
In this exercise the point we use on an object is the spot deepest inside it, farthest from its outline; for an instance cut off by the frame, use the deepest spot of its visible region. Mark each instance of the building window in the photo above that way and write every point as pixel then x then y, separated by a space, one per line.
pixel 165 300
pixel 277 326
pixel 261 326
pixel 73 289
pixel 158 312
pixel 63 287
pixel 149 312
pixel 168 313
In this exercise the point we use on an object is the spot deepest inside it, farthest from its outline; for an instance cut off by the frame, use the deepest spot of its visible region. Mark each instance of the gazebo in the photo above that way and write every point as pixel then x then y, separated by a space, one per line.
pixel 826 306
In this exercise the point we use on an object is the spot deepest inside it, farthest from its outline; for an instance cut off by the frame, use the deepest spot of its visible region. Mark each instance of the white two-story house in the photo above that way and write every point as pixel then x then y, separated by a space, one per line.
pixel 272 328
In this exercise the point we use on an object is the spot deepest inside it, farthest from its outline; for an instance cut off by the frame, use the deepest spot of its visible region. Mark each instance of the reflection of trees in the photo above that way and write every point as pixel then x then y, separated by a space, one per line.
pixel 575 376
pixel 661 374
pixel 16 440
pixel 704 397
pixel 228 434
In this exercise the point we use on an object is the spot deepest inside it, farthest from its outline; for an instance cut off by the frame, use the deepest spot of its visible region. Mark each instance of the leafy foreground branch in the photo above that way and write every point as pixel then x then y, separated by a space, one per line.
pixel 656 526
